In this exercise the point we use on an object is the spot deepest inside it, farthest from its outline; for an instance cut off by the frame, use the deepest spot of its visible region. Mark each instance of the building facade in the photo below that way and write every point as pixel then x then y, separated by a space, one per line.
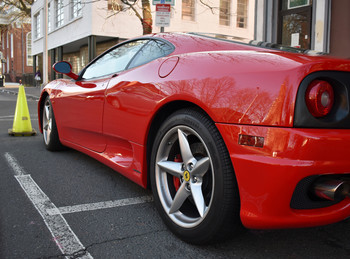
pixel 15 48
pixel 320 25
pixel 78 30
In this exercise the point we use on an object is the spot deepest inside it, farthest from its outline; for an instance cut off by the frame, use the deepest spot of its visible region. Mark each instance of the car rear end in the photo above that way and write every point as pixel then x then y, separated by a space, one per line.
pixel 298 175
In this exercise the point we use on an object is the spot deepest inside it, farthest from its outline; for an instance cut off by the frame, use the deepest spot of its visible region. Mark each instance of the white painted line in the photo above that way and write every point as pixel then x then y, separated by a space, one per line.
pixel 66 240
pixel 6 116
pixel 14 164
pixel 11 117
pixel 99 205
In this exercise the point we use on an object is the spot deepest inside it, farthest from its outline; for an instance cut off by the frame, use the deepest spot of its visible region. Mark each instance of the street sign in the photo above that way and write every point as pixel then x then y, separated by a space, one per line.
pixel 163 15
pixel 171 2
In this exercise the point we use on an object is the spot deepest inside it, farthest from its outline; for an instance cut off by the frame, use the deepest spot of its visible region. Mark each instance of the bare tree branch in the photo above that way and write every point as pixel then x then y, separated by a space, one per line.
pixel 211 8
pixel 132 7
pixel 20 8
pixel 145 17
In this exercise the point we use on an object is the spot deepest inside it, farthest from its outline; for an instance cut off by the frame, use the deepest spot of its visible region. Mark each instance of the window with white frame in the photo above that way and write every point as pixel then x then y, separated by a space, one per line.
pixel 225 12
pixel 29 49
pixel 188 10
pixel 49 24
pixel 37 26
pixel 242 13
pixel 59 14
pixel 76 8
pixel 12 48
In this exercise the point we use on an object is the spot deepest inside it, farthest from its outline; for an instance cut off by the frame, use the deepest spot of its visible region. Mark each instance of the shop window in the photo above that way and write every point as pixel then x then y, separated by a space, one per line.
pixel 225 12
pixel 295 23
pixel 188 10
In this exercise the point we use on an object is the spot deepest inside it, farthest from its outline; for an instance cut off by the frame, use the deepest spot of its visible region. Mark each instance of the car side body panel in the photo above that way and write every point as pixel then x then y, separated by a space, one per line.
pixel 79 106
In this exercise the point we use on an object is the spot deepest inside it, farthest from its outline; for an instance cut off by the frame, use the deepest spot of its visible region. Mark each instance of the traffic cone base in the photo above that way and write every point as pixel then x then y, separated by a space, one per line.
pixel 21 123
pixel 17 134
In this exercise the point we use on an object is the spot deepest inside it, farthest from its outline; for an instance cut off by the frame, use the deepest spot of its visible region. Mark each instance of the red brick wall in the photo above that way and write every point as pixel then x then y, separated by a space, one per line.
pixel 18 63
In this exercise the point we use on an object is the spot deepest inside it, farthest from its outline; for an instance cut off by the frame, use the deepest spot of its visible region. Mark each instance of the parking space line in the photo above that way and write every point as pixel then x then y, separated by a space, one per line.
pixel 66 240
pixel 99 205
pixel 34 119
pixel 11 117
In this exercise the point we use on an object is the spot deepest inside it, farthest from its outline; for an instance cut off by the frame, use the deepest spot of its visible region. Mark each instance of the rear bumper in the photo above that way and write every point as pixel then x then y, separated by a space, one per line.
pixel 268 176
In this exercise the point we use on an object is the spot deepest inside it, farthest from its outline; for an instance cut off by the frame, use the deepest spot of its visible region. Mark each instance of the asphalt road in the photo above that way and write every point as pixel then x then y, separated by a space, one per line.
pixel 34 181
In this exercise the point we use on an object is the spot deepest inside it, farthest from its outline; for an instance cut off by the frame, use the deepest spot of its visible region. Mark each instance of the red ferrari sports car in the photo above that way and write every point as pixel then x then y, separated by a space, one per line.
pixel 225 134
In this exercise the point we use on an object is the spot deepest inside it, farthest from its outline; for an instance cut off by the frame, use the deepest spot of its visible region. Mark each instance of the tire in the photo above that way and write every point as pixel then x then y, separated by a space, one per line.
pixel 193 181
pixel 50 133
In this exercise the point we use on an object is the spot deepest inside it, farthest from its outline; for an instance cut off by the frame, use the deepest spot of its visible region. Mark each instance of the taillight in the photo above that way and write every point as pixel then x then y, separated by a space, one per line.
pixel 319 98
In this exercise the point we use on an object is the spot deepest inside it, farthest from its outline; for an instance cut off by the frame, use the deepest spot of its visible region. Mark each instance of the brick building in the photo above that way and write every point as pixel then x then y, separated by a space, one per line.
pixel 15 49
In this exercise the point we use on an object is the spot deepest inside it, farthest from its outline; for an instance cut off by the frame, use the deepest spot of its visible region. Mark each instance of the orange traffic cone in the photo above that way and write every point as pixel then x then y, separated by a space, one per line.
pixel 21 123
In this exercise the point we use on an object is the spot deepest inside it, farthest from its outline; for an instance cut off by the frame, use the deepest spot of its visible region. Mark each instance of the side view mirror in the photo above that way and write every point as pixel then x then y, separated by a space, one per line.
pixel 64 67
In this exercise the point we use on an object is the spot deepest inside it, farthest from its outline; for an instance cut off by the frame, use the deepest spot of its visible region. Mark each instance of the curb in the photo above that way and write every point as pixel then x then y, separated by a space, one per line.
pixel 29 96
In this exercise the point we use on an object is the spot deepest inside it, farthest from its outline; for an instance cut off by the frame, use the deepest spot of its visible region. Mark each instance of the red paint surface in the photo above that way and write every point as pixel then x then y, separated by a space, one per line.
pixel 244 89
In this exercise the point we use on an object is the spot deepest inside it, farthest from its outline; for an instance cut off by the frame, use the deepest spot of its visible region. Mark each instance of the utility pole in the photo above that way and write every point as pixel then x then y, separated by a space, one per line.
pixel 45 51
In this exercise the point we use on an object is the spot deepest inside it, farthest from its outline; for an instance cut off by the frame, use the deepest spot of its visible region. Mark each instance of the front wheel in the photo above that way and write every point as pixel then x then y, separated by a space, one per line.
pixel 50 133
pixel 192 179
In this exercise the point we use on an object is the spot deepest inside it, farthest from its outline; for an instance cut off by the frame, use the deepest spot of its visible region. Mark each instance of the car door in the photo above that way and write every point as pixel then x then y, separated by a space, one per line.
pixel 84 99
pixel 131 96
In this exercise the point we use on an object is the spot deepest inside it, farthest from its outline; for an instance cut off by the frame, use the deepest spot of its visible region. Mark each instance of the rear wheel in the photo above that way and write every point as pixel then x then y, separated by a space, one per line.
pixel 192 179
pixel 50 133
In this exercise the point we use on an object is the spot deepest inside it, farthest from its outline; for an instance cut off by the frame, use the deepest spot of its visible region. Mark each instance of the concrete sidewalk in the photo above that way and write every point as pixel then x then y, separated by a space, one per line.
pixel 11 85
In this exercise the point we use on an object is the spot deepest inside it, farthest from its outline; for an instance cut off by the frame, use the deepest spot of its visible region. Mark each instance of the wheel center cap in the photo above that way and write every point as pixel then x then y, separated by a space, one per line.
pixel 187 176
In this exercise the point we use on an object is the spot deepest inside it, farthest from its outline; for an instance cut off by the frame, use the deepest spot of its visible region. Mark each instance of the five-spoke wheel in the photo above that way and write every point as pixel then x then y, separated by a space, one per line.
pixel 193 180
pixel 194 173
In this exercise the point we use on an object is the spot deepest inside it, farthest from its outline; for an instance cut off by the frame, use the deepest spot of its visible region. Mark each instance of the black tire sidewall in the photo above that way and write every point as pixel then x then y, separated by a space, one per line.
pixel 208 229
pixel 54 143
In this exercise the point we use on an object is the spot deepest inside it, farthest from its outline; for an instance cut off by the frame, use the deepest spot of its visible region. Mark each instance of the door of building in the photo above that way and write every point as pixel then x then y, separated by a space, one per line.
pixel 294 23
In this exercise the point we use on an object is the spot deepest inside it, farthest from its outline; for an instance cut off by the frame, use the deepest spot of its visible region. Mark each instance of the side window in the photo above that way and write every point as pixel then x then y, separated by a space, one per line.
pixel 153 50
pixel 114 61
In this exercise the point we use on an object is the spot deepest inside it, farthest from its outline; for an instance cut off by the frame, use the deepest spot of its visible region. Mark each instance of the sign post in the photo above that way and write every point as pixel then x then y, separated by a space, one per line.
pixel 171 2
pixel 163 11
pixel 163 16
